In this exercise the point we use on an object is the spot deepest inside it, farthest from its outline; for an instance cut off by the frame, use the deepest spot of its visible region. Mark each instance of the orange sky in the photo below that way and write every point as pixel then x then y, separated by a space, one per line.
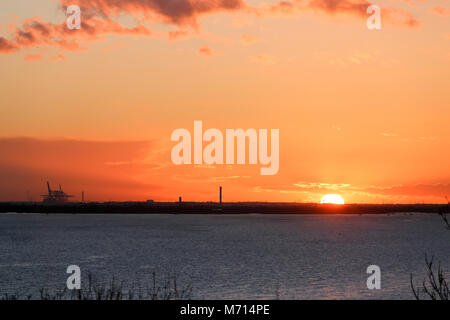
pixel 361 113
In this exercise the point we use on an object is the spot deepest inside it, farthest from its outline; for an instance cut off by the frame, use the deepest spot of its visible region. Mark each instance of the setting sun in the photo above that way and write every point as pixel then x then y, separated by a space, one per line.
pixel 332 198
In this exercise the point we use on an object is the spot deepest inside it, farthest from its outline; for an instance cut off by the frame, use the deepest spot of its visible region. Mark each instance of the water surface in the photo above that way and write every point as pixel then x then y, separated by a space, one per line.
pixel 225 256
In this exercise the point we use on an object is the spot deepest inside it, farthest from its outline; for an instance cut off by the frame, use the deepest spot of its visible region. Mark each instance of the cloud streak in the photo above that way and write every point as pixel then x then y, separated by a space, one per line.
pixel 7 46
pixel 27 163
pixel 34 32
pixel 206 51
pixel 180 12
pixel 357 8
pixel 99 19
pixel 414 192
pixel 441 11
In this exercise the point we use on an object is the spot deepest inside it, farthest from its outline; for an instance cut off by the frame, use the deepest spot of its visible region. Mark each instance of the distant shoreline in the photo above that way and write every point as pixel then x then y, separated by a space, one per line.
pixel 213 208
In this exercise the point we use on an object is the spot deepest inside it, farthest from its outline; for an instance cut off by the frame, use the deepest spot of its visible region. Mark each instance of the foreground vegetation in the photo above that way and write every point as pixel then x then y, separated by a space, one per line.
pixel 435 286
pixel 168 289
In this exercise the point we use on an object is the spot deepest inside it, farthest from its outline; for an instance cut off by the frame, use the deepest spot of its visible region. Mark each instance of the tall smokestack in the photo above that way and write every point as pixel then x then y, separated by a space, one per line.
pixel 82 196
pixel 220 194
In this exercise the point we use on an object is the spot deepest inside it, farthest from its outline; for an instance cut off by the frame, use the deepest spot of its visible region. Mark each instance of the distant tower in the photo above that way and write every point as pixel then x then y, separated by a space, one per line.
pixel 220 194
pixel 179 200
pixel 82 196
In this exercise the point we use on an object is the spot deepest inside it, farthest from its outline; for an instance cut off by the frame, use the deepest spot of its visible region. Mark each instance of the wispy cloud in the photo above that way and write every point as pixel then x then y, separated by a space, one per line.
pixel 247 39
pixel 33 57
pixel 58 57
pixel 178 34
pixel 440 11
pixel 100 18
pixel 315 190
pixel 34 33
pixel 321 185
pixel 179 12
pixel 263 59
pixel 387 134
pixel 207 51
pixel 356 8
pixel 360 57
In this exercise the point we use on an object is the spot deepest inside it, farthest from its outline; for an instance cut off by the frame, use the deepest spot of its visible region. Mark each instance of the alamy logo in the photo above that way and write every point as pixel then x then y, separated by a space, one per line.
pixel 74 280
pixel 374 21
pixel 374 280
pixel 213 153
pixel 74 17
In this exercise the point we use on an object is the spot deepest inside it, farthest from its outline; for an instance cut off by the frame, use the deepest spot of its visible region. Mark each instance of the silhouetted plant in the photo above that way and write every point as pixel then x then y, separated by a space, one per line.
pixel 114 290
pixel 8 296
pixel 443 213
pixel 434 286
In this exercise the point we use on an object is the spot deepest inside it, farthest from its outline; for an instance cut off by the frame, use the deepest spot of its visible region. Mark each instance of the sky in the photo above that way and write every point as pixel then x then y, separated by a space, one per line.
pixel 361 113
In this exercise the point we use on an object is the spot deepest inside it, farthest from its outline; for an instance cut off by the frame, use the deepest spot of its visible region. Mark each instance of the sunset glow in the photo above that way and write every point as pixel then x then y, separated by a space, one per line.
pixel 332 198
pixel 360 112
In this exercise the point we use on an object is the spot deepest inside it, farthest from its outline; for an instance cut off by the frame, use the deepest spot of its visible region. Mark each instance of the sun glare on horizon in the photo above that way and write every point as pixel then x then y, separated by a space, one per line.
pixel 332 198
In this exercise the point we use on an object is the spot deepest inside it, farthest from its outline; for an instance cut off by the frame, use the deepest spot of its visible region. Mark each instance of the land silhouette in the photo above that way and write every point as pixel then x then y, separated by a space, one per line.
pixel 151 207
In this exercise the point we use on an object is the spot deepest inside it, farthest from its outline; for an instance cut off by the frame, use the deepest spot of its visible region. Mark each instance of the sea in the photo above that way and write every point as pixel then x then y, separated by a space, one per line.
pixel 248 256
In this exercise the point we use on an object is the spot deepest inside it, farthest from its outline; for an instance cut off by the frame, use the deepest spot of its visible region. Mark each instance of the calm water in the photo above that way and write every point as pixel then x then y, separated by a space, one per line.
pixel 231 256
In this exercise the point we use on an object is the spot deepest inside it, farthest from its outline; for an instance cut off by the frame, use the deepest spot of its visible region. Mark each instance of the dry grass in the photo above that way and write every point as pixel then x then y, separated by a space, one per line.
pixel 434 286
pixel 168 289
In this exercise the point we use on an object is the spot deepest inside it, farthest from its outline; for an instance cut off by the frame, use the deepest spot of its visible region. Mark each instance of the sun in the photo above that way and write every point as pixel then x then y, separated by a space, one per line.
pixel 332 198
